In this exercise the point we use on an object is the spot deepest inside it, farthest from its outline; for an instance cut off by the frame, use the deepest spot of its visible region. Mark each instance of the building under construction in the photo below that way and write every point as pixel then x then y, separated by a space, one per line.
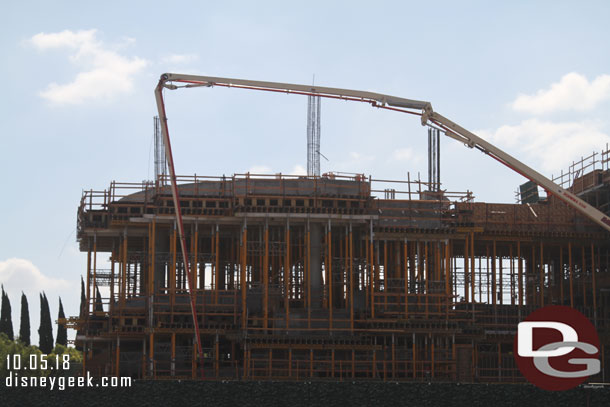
pixel 335 277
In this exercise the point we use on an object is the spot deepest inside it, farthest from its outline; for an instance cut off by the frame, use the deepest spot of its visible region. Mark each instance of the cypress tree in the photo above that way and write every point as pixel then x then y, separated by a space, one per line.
pixel 62 332
pixel 3 327
pixel 6 321
pixel 45 332
pixel 83 299
pixel 98 300
pixel 24 329
pixel 83 308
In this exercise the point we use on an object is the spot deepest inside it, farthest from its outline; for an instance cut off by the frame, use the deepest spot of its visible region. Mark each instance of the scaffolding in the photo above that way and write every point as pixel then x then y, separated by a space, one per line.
pixel 338 277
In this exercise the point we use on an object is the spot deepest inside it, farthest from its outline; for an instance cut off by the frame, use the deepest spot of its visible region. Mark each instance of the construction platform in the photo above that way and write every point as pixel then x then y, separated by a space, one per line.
pixel 332 277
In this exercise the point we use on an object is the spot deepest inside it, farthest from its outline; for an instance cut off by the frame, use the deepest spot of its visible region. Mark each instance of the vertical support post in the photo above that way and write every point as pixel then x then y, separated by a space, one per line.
pixel 466 273
pixel 386 274
pixel 583 271
pixel 95 268
pixel 472 270
pixel 217 273
pixel 124 279
pixel 448 288
pixel 571 267
pixel 487 271
pixel 500 282
pixel 541 274
pixel 413 250
pixel 561 276
pixel 112 261
pixel 426 276
pixel 406 277
pixel 329 267
pixel 512 274
pixel 367 274
pixel 593 288
pixel 372 270
pixel 151 267
pixel 287 272
pixel 172 272
pixel 481 279
pixel 520 274
pixel 195 268
pixel 88 308
pixel 493 275
pixel 266 279
pixel 151 275
pixel 308 274
pixel 437 275
pixel 243 277
pixel 351 278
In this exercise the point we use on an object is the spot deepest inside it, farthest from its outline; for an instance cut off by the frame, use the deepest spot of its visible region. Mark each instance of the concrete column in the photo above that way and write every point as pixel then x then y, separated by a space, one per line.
pixel 161 249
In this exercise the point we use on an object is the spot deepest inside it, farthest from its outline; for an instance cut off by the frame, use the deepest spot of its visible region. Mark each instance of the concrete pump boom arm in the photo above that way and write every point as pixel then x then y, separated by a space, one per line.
pixel 209 81
pixel 421 108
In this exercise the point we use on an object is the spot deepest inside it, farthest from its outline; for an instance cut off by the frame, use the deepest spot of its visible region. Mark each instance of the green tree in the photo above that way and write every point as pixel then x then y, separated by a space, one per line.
pixel 24 329
pixel 83 308
pixel 6 322
pixel 62 332
pixel 8 350
pixel 45 332
pixel 75 360
pixel 98 300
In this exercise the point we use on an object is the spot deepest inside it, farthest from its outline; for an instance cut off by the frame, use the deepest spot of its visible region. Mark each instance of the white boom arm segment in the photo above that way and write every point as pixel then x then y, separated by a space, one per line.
pixel 422 108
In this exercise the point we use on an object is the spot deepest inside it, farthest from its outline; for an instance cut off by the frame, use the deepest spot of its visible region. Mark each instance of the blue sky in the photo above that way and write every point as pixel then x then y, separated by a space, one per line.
pixel 532 77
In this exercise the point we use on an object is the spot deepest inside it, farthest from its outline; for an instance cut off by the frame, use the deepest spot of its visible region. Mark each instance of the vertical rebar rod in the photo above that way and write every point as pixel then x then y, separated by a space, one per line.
pixel 313 135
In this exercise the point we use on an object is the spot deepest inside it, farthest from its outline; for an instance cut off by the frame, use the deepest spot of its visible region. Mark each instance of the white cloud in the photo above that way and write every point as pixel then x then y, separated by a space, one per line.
pixel 361 157
pixel 548 146
pixel 179 58
pixel 298 170
pixel 572 92
pixel 260 169
pixel 21 275
pixel 105 73
pixel 403 154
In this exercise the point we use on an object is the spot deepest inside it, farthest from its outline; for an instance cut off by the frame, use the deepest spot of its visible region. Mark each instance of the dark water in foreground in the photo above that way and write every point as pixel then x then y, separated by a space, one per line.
pixel 188 393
